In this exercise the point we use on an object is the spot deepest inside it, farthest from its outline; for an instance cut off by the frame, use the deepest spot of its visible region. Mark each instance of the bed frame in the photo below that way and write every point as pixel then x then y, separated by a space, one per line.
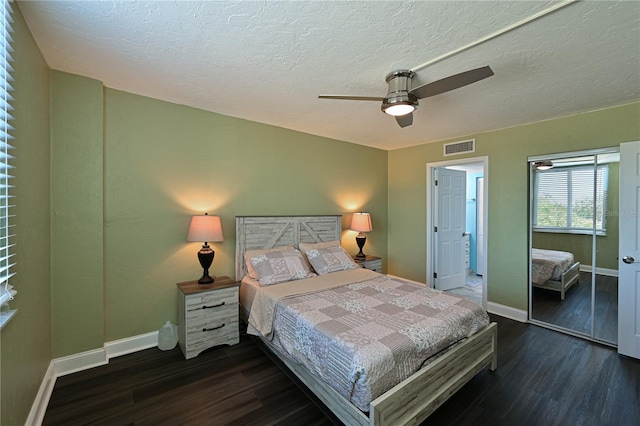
pixel 568 278
pixel 412 400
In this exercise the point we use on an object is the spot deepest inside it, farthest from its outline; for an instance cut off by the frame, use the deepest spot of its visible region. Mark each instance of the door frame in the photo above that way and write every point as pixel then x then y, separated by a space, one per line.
pixel 479 200
pixel 430 256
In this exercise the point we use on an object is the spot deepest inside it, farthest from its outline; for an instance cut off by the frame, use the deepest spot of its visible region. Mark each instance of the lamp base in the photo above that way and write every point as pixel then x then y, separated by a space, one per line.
pixel 205 256
pixel 206 279
pixel 360 240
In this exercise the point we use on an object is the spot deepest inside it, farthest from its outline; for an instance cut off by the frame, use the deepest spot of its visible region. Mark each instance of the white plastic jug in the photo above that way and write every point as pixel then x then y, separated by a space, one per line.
pixel 167 336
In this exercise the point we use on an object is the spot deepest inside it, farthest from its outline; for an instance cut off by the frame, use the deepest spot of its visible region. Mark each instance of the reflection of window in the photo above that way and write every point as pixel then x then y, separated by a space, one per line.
pixel 564 199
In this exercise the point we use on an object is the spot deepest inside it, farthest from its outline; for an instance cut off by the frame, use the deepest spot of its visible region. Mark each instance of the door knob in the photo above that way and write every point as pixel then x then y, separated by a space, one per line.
pixel 628 259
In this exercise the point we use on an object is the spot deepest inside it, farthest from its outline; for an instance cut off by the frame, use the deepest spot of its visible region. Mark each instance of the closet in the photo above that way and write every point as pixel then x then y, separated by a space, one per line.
pixel 573 243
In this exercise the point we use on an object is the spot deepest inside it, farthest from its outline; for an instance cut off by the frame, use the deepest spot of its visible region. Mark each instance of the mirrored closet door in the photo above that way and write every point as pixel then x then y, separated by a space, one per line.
pixel 573 236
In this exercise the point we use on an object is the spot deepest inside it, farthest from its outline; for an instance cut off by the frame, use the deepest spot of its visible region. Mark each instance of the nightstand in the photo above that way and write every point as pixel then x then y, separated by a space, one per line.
pixel 373 263
pixel 207 315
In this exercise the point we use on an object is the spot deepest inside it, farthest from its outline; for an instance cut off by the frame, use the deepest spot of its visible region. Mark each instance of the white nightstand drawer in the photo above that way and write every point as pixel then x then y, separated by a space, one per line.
pixel 212 301
pixel 205 317
pixel 217 329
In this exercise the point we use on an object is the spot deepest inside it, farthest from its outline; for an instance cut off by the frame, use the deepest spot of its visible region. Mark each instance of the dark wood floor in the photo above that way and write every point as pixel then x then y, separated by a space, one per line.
pixel 574 312
pixel 543 378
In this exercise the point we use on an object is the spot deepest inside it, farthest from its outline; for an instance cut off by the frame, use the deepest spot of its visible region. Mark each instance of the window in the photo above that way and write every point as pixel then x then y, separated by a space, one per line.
pixel 6 228
pixel 564 199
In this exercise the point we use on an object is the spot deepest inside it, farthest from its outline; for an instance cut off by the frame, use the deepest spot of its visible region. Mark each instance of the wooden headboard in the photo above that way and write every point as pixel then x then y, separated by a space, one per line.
pixel 263 232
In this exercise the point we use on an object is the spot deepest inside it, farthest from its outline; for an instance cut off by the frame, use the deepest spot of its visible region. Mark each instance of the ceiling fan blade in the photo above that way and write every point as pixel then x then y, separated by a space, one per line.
pixel 351 98
pixel 452 82
pixel 405 120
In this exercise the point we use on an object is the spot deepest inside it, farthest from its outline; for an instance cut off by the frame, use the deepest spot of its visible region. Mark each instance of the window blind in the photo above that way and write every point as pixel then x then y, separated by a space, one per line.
pixel 7 236
pixel 565 199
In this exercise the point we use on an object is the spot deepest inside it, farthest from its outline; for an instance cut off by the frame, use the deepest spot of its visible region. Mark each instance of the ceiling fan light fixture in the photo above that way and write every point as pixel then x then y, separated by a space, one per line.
pixel 399 109
pixel 399 101
pixel 543 165
pixel 399 104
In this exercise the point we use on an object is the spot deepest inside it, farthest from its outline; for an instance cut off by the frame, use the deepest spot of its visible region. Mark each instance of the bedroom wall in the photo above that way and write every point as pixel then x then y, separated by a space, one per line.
pixel 507 150
pixel 25 342
pixel 165 162
pixel 76 213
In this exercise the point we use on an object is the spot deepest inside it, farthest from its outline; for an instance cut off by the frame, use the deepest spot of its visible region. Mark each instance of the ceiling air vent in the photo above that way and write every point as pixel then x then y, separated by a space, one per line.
pixel 456 148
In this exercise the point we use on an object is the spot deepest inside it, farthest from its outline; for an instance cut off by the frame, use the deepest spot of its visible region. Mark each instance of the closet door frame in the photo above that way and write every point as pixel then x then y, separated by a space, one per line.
pixel 559 156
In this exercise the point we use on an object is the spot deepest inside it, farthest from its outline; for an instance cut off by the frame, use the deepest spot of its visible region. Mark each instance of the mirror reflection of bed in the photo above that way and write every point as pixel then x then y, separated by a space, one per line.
pixel 554 270
pixel 574 239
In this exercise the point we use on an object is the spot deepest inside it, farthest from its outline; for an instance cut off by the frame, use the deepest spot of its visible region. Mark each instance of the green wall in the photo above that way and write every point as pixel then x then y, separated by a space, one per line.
pixel 25 342
pixel 76 213
pixel 507 233
pixel 163 163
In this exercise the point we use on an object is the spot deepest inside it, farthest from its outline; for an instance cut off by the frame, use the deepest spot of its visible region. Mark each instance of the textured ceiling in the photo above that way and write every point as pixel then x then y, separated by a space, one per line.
pixel 267 61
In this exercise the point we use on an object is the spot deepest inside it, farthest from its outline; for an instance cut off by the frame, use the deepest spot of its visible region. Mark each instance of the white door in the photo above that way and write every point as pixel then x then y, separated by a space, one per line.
pixel 629 253
pixel 450 223
pixel 480 226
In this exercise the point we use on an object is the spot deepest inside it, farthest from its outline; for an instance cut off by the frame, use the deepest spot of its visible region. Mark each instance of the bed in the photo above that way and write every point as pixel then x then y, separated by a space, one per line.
pixel 554 270
pixel 407 402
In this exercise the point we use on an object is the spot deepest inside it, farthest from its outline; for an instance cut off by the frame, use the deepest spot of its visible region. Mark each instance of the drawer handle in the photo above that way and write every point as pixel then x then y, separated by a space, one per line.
pixel 213 328
pixel 213 306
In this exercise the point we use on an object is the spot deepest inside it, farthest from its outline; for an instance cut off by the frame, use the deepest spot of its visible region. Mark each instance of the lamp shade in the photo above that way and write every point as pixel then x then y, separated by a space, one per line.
pixel 361 222
pixel 205 228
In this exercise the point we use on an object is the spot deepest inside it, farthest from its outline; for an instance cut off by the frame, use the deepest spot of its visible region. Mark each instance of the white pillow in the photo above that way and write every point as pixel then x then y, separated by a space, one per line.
pixel 304 247
pixel 280 266
pixel 255 253
pixel 330 259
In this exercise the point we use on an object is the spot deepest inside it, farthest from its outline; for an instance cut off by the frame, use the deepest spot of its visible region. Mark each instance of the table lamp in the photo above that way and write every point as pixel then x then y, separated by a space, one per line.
pixel 205 229
pixel 361 222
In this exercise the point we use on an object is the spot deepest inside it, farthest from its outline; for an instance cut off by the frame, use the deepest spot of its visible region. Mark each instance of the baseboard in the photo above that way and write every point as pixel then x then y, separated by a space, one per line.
pixel 131 344
pixel 405 279
pixel 507 312
pixel 600 271
pixel 94 358
pixel 79 362
pixel 39 407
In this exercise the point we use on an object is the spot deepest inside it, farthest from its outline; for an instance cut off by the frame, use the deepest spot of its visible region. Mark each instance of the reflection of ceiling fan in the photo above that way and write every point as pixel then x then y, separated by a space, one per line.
pixel 402 100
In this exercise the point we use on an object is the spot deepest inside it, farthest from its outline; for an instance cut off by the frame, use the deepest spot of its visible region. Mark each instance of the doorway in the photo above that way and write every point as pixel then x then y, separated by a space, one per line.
pixel 473 259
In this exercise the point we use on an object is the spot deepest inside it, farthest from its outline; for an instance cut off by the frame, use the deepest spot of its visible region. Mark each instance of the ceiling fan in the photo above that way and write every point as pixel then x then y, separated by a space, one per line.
pixel 402 100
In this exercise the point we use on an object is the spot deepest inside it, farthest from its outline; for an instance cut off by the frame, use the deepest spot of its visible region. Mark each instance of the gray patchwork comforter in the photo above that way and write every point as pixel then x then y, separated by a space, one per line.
pixel 364 338
pixel 549 265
